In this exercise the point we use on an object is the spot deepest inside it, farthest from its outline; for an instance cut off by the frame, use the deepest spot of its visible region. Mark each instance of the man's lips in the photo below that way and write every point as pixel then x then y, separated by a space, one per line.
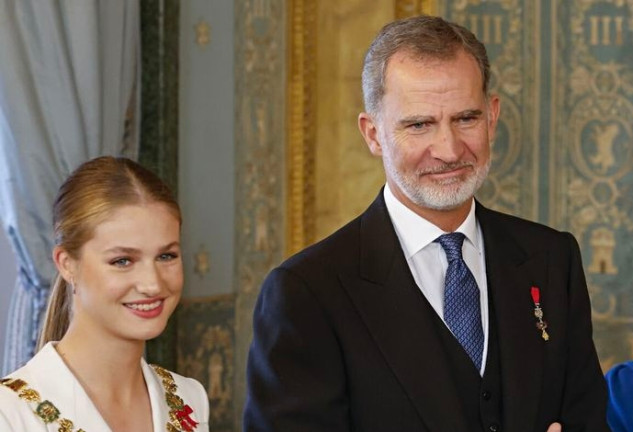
pixel 447 171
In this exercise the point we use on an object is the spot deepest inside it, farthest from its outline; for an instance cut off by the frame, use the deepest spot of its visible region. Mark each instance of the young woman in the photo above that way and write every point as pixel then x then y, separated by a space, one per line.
pixel 117 236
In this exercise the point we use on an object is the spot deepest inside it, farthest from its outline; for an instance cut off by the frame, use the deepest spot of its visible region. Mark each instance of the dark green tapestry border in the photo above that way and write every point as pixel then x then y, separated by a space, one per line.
pixel 159 122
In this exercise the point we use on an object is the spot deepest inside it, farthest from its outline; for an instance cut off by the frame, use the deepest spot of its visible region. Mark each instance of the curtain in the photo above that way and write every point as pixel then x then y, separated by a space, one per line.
pixel 68 92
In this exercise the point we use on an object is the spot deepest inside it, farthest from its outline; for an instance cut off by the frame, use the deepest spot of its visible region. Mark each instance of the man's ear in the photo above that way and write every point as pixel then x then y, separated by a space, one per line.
pixel 65 263
pixel 369 131
pixel 494 108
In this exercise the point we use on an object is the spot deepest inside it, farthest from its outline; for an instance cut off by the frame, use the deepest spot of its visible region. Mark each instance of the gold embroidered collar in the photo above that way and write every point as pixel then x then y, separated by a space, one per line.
pixel 179 412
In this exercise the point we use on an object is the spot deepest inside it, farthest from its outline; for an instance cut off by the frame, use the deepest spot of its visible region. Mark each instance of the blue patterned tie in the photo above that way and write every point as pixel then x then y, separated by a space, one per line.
pixel 462 312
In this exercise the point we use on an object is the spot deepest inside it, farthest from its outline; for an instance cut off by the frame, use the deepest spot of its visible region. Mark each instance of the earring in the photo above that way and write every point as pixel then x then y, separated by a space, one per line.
pixel 72 284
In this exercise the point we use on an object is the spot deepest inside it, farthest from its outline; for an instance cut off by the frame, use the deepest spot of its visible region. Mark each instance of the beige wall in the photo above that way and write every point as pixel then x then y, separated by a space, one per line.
pixel 347 175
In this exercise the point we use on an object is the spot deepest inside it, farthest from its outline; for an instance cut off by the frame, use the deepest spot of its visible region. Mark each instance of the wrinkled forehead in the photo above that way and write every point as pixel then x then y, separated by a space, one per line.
pixel 406 63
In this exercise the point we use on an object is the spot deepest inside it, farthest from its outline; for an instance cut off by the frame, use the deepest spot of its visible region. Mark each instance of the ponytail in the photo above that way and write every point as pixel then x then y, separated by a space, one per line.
pixel 58 313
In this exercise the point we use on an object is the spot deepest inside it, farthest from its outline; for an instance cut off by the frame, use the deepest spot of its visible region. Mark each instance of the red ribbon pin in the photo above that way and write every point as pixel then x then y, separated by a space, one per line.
pixel 186 422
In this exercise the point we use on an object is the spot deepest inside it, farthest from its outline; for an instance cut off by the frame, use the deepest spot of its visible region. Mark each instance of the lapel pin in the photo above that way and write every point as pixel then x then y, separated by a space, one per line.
pixel 538 312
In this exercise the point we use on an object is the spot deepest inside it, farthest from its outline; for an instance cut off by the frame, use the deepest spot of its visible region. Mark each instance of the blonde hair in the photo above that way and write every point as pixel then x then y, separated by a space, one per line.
pixel 87 198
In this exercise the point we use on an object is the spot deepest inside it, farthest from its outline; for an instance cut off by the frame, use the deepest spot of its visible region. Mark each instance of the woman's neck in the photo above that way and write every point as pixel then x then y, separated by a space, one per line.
pixel 109 370
pixel 106 366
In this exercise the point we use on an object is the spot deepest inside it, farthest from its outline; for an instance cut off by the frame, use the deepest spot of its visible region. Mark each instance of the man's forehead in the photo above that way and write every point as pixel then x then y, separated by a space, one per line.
pixel 407 58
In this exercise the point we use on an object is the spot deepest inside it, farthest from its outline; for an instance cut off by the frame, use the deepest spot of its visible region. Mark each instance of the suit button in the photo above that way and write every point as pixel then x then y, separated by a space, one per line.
pixel 485 395
pixel 494 427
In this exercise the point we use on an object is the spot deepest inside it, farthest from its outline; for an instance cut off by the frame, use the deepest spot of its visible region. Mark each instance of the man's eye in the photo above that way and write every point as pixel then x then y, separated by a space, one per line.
pixel 468 119
pixel 121 262
pixel 419 125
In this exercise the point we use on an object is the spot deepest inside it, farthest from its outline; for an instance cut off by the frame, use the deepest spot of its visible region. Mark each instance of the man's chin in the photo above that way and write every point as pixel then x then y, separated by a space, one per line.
pixel 444 200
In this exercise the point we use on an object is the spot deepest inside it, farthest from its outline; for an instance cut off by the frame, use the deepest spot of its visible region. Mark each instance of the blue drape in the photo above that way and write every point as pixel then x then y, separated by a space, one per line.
pixel 68 92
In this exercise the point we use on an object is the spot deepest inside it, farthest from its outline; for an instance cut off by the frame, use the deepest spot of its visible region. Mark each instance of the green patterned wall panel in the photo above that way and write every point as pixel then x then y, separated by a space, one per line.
pixel 591 194
pixel 206 352
pixel 260 61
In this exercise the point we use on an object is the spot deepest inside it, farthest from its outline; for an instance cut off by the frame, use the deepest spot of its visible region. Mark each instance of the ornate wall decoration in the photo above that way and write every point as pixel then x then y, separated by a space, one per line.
pixel 259 136
pixel 302 101
pixel 594 159
pixel 206 352
pixel 203 33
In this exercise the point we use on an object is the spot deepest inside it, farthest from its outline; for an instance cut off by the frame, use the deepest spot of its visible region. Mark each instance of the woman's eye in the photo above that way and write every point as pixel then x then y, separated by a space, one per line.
pixel 121 262
pixel 167 256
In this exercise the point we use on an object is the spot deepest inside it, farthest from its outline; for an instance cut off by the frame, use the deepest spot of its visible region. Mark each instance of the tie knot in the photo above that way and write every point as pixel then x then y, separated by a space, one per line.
pixel 452 245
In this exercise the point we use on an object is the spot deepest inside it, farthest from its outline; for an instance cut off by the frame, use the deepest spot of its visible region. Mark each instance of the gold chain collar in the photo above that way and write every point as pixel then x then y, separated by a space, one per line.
pixel 179 412
pixel 45 410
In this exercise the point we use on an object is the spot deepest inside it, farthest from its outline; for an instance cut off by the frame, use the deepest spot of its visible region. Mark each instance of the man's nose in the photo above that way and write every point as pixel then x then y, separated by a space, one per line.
pixel 447 146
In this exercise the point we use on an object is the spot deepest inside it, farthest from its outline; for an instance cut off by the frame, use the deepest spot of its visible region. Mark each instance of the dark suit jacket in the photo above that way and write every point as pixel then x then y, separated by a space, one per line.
pixel 340 343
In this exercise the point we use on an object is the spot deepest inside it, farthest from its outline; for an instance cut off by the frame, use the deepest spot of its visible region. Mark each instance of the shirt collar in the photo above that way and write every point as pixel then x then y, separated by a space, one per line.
pixel 415 232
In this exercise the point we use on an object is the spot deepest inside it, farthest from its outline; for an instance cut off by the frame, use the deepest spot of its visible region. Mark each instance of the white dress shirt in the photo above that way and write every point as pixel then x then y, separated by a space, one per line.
pixel 427 260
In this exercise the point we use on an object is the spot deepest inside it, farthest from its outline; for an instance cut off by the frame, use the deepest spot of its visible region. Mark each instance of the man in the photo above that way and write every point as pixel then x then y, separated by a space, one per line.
pixel 428 312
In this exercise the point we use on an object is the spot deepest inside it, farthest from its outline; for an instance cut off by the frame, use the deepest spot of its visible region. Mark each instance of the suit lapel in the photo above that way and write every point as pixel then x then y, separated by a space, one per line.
pixel 511 272
pixel 156 393
pixel 401 322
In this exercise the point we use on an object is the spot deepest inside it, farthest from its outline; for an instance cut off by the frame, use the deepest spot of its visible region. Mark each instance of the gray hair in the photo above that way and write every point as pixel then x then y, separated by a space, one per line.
pixel 424 37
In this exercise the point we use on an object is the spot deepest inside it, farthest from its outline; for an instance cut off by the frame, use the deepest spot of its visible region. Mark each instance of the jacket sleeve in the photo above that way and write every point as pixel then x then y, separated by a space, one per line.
pixel 295 372
pixel 620 408
pixel 585 397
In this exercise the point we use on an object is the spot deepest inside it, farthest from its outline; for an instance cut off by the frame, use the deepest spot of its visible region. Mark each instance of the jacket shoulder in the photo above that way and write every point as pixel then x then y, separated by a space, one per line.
pixel 334 250
pixel 517 226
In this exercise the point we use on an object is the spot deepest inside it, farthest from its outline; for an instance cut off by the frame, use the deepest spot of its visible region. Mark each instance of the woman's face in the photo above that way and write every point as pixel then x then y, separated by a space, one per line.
pixel 128 277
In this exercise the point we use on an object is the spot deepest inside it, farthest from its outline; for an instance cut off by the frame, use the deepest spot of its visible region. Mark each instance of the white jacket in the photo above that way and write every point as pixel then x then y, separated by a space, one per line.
pixel 47 374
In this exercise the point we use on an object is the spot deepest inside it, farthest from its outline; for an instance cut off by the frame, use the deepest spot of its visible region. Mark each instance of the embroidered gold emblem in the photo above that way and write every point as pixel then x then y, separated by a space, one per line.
pixel 65 425
pixel 14 384
pixel 30 395
pixel 47 412
pixel 173 401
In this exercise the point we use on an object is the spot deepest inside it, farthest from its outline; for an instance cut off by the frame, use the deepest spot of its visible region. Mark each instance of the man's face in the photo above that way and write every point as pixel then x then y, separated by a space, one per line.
pixel 433 130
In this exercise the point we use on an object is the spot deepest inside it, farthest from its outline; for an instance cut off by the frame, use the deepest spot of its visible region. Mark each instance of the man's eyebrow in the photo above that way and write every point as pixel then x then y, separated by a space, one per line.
pixel 468 113
pixel 415 119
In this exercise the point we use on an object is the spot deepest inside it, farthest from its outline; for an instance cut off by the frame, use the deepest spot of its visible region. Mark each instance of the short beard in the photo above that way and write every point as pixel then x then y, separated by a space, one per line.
pixel 442 195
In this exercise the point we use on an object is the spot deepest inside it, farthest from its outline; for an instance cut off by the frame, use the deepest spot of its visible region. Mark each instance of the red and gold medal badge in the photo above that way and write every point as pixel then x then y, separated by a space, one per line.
pixel 538 312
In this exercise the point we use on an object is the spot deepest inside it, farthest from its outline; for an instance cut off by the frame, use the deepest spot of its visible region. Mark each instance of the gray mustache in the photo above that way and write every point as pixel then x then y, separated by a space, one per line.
pixel 445 168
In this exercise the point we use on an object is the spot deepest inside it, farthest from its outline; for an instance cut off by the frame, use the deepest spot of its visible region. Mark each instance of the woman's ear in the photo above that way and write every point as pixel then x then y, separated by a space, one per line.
pixel 65 263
